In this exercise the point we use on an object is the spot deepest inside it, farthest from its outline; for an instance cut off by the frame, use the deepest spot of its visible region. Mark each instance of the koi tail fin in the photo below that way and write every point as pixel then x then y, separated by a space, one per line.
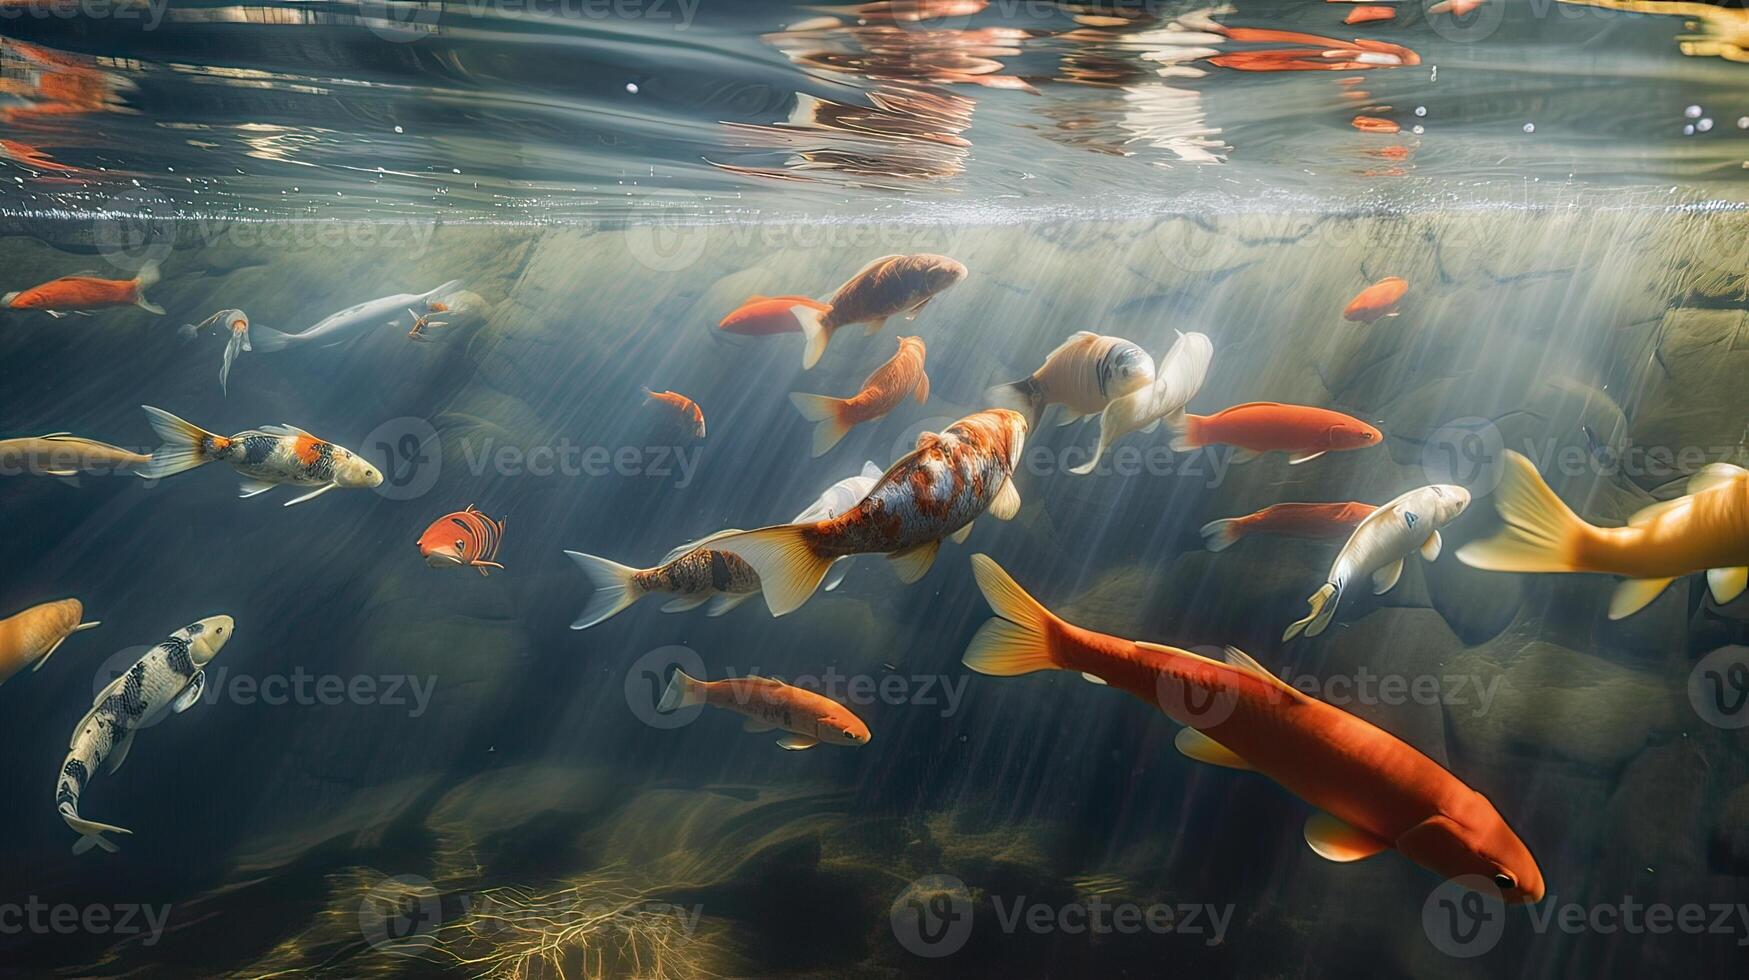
pixel 1025 396
pixel 1323 603
pixel 267 340
pixel 91 832
pixel 1540 531
pixel 789 568
pixel 1222 534
pixel 828 415
pixel 185 445
pixel 1018 642
pixel 818 334
pixel 148 277
pixel 614 589
pixel 683 692
pixel 1186 431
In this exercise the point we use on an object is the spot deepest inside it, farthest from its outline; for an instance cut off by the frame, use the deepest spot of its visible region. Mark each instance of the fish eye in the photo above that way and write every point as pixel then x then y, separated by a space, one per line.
pixel 459 542
pixel 1504 881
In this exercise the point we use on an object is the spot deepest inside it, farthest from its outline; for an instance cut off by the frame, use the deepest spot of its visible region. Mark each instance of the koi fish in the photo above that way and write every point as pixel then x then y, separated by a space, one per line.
pixel 887 287
pixel 271 456
pixel 693 573
pixel 464 539
pixel 1369 13
pixel 1304 432
pixel 236 342
pixel 1177 379
pixel 770 705
pixel 683 407
pixel 1374 124
pixel 1083 374
pixel 1319 54
pixel 836 500
pixel 1379 299
pixel 63 454
pixel 881 392
pixel 1378 545
pixel 1373 791
pixel 1705 530
pixel 930 493
pixel 1288 520
pixel 337 328
pixel 84 291
pixel 169 677
pixel 30 637
pixel 762 316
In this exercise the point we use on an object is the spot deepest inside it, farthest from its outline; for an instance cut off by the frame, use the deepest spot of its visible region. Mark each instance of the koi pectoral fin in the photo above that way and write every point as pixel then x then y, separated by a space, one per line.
pixel 1335 840
pixel 1727 583
pixel 1193 744
pixel 1385 579
pixel 1431 547
pixel 796 743
pixel 1634 595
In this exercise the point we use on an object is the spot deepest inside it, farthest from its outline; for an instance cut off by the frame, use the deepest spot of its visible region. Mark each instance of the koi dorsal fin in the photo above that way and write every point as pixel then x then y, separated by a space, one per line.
pixel 1244 661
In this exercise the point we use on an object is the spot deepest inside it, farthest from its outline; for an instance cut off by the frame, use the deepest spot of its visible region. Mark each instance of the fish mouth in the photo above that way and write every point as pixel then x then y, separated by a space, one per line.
pixel 438 559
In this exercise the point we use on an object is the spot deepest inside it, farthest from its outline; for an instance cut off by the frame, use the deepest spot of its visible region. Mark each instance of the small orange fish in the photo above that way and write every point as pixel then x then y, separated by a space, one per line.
pixel 1457 8
pixel 883 391
pixel 1373 124
pixel 1264 427
pixel 466 538
pixel 762 316
pixel 1368 13
pixel 86 291
pixel 1289 520
pixel 769 704
pixel 1377 300
pixel 682 406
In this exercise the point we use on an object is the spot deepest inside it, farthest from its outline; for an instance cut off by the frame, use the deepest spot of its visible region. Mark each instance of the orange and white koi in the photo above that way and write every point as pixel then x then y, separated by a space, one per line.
pixel 464 539
pixel 1706 530
pixel 933 492
pixel 881 392
pixel 770 705
pixel 271 456
pixel 83 291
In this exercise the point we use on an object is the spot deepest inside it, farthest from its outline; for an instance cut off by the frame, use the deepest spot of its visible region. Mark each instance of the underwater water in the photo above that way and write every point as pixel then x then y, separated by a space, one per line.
pixel 395 764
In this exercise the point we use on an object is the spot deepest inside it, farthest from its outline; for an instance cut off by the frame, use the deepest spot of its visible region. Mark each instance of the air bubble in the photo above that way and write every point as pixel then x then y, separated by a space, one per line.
pixel 1692 112
pixel 1530 127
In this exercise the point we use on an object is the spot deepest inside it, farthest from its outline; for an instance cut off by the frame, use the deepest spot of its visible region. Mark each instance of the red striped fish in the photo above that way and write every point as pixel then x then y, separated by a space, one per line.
pixel 466 538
